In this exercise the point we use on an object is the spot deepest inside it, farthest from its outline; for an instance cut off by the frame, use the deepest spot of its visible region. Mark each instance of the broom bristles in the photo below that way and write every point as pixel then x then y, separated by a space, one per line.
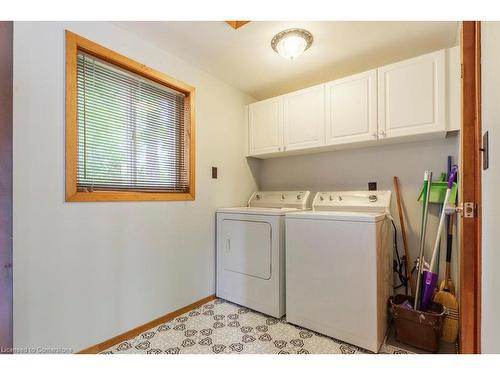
pixel 450 323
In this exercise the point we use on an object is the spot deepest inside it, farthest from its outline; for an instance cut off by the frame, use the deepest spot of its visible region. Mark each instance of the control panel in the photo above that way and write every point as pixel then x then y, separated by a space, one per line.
pixel 279 199
pixel 364 201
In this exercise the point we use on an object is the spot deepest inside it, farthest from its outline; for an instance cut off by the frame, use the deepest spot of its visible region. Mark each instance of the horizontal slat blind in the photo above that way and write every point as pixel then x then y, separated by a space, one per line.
pixel 132 133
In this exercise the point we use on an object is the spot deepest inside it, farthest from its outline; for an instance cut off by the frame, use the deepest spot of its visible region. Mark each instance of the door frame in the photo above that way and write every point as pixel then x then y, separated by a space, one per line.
pixel 470 187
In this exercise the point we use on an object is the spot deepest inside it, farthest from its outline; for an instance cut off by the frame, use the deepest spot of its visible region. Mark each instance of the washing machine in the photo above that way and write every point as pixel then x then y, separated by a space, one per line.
pixel 251 250
pixel 339 266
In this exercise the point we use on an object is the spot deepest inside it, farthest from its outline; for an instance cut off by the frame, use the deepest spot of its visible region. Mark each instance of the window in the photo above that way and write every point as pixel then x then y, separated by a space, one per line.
pixel 129 129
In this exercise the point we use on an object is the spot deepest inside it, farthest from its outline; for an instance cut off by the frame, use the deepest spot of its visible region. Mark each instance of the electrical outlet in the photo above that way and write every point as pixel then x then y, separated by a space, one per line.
pixel 214 172
pixel 372 186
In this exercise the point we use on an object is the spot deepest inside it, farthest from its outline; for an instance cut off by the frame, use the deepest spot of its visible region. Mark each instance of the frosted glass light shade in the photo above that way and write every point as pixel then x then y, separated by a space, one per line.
pixel 292 43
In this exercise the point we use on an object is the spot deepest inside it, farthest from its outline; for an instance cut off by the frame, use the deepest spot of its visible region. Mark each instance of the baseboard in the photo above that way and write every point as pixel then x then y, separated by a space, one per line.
pixel 138 330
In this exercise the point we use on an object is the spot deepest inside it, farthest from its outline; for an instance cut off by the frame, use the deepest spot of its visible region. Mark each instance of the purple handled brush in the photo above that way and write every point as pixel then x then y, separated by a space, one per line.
pixel 429 278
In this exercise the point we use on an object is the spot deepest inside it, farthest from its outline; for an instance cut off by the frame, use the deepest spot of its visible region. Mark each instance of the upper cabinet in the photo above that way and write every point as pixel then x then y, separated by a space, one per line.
pixel 411 96
pixel 265 126
pixel 351 109
pixel 409 100
pixel 304 118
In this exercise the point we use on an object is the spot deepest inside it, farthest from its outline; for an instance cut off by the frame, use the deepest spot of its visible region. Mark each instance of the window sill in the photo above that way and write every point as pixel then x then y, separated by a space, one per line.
pixel 117 196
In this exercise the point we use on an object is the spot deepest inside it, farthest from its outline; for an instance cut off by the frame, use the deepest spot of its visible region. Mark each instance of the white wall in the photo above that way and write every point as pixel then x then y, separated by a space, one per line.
pixel 85 272
pixel 490 86
pixel 353 169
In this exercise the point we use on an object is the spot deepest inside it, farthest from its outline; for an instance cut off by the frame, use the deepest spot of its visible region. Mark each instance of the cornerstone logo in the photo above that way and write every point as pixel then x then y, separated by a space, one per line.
pixel 34 350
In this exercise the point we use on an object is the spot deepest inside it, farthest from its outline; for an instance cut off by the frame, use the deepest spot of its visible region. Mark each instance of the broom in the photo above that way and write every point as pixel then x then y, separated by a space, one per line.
pixel 446 297
pixel 447 283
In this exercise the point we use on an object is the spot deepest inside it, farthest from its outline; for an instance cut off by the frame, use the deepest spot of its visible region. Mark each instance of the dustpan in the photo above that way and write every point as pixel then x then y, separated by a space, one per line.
pixel 438 191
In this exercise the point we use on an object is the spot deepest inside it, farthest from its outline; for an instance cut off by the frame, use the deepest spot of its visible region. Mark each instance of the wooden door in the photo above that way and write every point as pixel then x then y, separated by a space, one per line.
pixel 470 187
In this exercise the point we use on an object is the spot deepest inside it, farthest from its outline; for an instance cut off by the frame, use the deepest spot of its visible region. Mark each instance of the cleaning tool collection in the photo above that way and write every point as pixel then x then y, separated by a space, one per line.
pixel 428 315
pixel 429 277
pixel 446 293
pixel 423 230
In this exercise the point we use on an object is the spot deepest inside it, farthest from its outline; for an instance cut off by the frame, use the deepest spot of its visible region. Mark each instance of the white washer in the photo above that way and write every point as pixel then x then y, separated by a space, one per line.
pixel 251 250
pixel 339 266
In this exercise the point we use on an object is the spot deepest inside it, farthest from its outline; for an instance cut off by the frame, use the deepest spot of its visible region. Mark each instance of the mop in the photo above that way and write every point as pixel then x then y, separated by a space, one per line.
pixel 427 190
pixel 429 277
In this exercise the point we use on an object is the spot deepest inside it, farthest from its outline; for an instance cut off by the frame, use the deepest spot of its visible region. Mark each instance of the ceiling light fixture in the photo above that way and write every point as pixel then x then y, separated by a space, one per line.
pixel 291 43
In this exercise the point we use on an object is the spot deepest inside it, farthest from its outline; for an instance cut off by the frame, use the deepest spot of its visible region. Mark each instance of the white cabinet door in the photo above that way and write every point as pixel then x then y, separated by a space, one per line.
pixel 265 126
pixel 351 109
pixel 411 96
pixel 304 118
pixel 453 80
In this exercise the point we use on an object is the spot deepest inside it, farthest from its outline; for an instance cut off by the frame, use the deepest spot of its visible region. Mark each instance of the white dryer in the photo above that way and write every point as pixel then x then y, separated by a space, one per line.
pixel 251 250
pixel 339 266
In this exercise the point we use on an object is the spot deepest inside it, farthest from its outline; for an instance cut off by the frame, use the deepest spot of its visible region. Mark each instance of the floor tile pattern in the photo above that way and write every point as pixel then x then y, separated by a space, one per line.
pixel 223 327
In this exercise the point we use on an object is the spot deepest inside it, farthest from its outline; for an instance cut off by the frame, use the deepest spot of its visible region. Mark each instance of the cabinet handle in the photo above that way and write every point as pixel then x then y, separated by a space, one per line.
pixel 284 148
pixel 374 135
pixel 382 133
pixel 279 148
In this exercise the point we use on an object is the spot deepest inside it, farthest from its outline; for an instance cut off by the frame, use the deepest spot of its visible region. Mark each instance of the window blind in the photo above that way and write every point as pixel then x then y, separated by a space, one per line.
pixel 132 133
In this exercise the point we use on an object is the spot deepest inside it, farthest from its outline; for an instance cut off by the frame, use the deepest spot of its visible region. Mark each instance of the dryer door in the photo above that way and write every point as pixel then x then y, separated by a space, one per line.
pixel 247 247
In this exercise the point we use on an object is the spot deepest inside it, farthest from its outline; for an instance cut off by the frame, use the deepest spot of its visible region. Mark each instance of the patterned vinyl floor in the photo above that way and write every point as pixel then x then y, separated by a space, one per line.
pixel 223 327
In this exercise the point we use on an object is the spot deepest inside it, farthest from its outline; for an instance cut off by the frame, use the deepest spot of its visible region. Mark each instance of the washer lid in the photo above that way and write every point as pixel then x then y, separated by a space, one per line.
pixel 257 210
pixel 370 217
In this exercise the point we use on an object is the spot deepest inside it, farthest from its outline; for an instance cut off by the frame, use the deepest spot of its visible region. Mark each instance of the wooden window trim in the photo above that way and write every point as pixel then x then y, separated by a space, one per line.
pixel 75 43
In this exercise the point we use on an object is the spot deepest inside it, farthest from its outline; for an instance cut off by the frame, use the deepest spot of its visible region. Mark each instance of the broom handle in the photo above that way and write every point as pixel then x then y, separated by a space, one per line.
pixel 403 234
pixel 449 222
pixel 440 230
pixel 427 182
pixel 449 247
pixel 451 178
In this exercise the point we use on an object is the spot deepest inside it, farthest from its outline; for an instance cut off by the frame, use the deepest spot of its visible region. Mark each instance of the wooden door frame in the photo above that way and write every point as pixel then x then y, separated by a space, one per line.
pixel 470 187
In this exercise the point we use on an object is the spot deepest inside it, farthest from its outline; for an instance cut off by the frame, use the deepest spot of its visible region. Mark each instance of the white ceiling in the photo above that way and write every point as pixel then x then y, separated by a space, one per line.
pixel 244 58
